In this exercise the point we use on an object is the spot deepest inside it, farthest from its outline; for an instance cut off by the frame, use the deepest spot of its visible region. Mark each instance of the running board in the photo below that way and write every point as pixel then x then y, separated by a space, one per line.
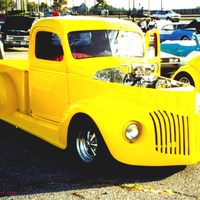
pixel 42 129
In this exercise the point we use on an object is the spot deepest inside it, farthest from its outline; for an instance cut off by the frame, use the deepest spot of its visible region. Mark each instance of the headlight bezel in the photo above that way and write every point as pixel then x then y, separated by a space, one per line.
pixel 131 137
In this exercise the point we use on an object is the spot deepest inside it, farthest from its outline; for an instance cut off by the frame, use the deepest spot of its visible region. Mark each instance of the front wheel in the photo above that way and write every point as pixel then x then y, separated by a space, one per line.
pixel 185 78
pixel 86 143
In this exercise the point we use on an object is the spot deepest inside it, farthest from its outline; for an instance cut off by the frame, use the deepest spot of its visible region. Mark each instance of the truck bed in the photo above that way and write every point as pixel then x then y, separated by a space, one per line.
pixel 17 71
pixel 21 64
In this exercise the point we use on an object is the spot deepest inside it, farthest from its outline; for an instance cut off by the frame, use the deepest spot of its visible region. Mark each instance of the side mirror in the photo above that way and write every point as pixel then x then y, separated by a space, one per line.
pixel 153 49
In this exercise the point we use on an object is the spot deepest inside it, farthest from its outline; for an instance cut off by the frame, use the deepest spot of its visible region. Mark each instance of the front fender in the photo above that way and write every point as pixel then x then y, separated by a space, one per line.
pixel 111 117
pixel 193 69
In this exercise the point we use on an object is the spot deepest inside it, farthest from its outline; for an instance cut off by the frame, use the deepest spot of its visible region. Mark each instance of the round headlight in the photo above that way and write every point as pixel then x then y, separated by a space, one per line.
pixel 132 132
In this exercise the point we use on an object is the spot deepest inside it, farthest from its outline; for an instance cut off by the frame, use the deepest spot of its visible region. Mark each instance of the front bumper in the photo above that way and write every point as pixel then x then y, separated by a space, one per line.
pixel 16 43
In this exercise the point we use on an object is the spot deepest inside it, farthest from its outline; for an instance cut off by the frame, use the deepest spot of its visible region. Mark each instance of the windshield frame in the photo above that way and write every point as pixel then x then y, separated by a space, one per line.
pixel 117 41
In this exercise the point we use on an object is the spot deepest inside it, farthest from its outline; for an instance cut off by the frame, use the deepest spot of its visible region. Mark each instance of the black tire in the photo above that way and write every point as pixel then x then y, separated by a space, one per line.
pixel 184 77
pixel 5 47
pixel 168 18
pixel 86 145
pixel 184 38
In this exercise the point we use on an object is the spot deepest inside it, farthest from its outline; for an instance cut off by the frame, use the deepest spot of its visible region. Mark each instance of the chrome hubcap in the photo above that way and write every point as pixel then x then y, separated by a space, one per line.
pixel 87 145
pixel 185 80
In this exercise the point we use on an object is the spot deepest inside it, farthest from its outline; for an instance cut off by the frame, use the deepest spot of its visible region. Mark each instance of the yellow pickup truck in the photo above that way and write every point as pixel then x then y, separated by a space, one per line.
pixel 91 85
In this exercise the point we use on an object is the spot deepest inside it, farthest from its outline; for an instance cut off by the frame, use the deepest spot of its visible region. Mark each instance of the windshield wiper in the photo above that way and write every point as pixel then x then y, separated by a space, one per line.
pixel 118 34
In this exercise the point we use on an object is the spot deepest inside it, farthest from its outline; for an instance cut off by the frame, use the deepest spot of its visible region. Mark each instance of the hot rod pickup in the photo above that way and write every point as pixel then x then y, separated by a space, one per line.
pixel 90 85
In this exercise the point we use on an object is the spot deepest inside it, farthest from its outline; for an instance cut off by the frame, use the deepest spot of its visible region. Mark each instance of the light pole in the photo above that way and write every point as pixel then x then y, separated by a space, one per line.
pixel 133 11
pixel 39 8
pixel 129 8
pixel 85 8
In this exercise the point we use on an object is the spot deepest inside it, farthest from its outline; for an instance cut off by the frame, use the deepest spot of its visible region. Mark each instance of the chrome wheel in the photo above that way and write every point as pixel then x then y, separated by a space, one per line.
pixel 86 145
pixel 185 80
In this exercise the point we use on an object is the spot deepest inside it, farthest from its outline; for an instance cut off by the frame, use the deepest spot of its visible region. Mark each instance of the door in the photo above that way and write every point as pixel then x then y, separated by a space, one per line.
pixel 166 32
pixel 48 80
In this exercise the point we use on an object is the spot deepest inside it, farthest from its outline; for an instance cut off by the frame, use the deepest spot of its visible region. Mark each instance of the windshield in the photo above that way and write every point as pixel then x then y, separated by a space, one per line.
pixel 102 43
pixel 169 12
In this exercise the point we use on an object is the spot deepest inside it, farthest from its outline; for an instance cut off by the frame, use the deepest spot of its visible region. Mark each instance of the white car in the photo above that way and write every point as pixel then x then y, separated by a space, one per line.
pixel 167 15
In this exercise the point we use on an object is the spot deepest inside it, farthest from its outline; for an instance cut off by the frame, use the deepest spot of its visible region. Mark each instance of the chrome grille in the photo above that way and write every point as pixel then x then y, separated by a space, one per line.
pixel 171 133
pixel 18 38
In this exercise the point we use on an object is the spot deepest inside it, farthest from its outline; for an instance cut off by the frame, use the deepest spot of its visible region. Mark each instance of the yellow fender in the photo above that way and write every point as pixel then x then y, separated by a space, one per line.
pixel 109 122
pixel 192 71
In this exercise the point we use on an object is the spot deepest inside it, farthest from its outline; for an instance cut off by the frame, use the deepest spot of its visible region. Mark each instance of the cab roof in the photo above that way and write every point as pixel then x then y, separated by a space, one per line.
pixel 74 23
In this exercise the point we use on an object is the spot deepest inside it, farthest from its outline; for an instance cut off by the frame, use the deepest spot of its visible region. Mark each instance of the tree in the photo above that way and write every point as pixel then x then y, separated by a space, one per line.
pixel 32 6
pixel 59 4
pixel 101 3
pixel 44 6
pixel 5 4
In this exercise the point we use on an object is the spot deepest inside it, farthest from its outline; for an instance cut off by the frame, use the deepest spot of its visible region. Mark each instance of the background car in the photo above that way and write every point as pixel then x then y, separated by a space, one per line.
pixel 37 14
pixel 179 31
pixel 176 31
pixel 1 23
pixel 15 31
pixel 185 50
pixel 194 24
pixel 48 13
pixel 169 64
pixel 141 13
pixel 167 15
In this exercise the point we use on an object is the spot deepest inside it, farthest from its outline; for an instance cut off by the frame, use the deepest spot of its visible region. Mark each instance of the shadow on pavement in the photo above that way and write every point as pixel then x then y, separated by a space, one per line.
pixel 16 49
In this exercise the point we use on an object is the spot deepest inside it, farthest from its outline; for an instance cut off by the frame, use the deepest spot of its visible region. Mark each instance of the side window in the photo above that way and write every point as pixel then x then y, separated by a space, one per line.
pixel 168 27
pixel 48 46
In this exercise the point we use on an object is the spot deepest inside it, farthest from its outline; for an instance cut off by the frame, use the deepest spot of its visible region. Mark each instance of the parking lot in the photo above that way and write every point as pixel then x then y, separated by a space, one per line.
pixel 32 169
pixel 16 53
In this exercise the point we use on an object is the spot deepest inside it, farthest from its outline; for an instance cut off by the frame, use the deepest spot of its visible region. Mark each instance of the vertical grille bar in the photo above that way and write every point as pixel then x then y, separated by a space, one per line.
pixel 171 133
pixel 168 133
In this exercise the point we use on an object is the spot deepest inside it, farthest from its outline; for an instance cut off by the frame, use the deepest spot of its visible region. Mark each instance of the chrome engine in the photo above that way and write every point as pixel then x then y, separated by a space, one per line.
pixel 136 75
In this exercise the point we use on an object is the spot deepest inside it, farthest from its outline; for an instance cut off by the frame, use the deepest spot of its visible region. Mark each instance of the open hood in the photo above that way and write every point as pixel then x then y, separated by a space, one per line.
pixel 194 24
pixel 17 23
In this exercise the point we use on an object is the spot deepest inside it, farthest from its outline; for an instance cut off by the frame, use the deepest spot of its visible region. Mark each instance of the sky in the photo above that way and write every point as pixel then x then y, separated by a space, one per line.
pixel 153 5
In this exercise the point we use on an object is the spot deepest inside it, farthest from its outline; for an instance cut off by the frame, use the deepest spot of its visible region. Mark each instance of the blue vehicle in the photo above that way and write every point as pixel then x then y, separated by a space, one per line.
pixel 176 31
pixel 185 50
pixel 179 31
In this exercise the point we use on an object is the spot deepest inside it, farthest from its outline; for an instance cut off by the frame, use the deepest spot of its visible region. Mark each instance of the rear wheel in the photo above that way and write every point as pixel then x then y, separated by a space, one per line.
pixel 184 38
pixel 184 77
